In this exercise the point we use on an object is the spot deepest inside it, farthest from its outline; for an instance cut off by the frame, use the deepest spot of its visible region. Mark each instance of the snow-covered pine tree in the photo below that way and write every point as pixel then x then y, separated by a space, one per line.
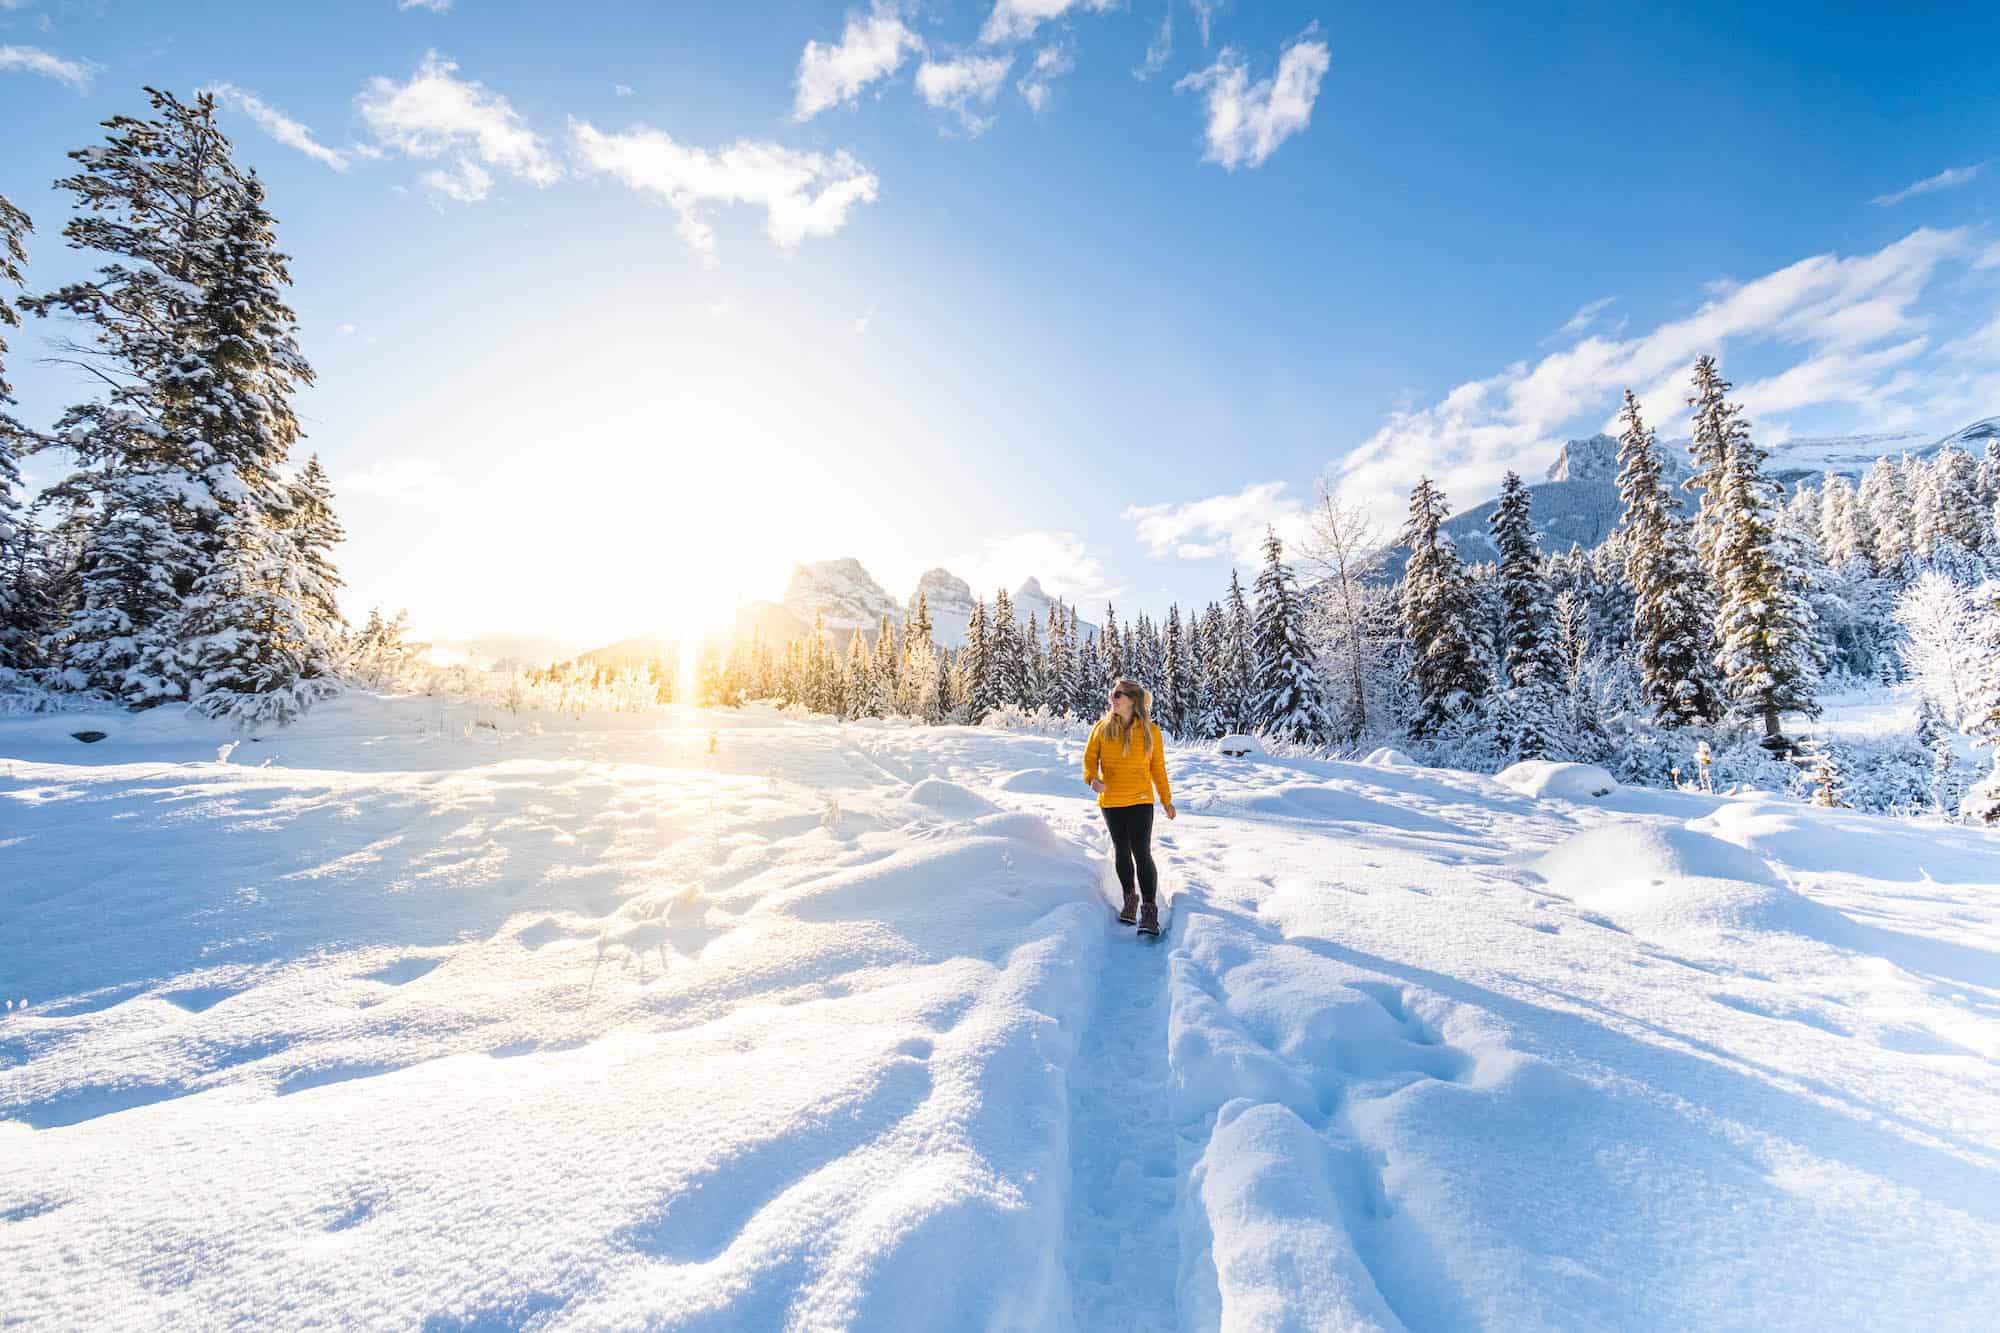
pixel 885 662
pixel 1589 741
pixel 21 618
pixel 1934 739
pixel 315 530
pixel 1236 680
pixel 1533 696
pixel 1006 655
pixel 1940 647
pixel 1091 675
pixel 1198 707
pixel 1059 672
pixel 1715 427
pixel 1765 649
pixel 1289 702
pixel 1885 516
pixel 858 679
pixel 1170 699
pixel 1111 645
pixel 1829 783
pixel 1437 615
pixel 1945 508
pixel 1843 534
pixel 1144 660
pixel 1671 610
pixel 1034 664
pixel 977 684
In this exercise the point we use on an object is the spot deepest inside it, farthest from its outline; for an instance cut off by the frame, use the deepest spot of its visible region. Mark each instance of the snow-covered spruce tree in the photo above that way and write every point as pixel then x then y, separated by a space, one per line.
pixel 1034 663
pixel 1236 683
pixel 21 612
pixel 1828 782
pixel 1765 650
pixel 1715 427
pixel 1007 655
pixel 1947 790
pixel 885 661
pixel 1532 701
pixel 1946 508
pixel 858 679
pixel 1435 601
pixel 251 632
pixel 1059 674
pixel 315 530
pixel 1671 612
pixel 1091 674
pixel 1885 516
pixel 181 459
pixel 1843 532
pixel 1110 645
pixel 1170 692
pixel 1289 703
pixel 977 684
pixel 1198 706
pixel 917 674
pixel 943 703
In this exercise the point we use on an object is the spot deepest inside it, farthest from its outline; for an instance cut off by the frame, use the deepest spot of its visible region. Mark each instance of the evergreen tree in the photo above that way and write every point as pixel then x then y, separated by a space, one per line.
pixel 1437 615
pixel 1092 676
pixel 1034 664
pixel 1170 701
pixel 1945 507
pixel 858 679
pixel 977 684
pixel 315 531
pixel 1110 645
pixel 1765 651
pixel 1059 677
pixel 1843 533
pixel 1530 670
pixel 1829 783
pixel 1288 703
pixel 1236 680
pixel 1671 610
pixel 1885 516
pixel 1716 426
pixel 1006 655
pixel 21 619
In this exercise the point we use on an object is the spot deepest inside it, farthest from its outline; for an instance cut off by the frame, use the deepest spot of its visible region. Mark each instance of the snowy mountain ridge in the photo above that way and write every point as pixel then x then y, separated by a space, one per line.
pixel 849 599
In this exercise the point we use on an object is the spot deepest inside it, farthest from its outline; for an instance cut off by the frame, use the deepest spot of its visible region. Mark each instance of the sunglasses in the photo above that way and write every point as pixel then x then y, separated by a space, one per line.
pixel 1120 694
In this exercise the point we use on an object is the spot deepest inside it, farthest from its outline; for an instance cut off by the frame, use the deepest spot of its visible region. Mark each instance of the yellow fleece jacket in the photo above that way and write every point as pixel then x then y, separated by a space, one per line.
pixel 1129 779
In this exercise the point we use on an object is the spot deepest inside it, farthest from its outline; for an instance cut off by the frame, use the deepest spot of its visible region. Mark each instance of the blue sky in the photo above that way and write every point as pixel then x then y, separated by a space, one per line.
pixel 606 295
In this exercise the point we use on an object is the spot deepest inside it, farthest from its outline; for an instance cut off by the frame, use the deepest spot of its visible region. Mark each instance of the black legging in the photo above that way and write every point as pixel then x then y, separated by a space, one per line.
pixel 1132 834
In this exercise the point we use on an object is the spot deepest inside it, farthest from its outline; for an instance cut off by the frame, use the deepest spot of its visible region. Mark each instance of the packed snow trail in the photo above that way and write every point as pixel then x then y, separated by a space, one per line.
pixel 578 1024
pixel 1122 1250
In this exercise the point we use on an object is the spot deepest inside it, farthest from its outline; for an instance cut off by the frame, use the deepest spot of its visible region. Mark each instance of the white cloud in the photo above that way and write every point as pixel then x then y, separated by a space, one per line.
pixel 802 194
pixel 1065 567
pixel 1850 326
pixel 1226 526
pixel 1016 20
pixel 870 48
pixel 957 85
pixel 436 114
pixel 1585 316
pixel 346 330
pixel 434 6
pixel 621 89
pixel 277 124
pixel 466 181
pixel 1204 15
pixel 1944 180
pixel 1050 63
pixel 413 480
pixel 33 60
pixel 1160 49
pixel 863 320
pixel 1247 121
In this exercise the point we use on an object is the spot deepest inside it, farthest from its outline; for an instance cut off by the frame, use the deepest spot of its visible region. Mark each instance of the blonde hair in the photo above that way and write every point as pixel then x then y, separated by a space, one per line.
pixel 1116 728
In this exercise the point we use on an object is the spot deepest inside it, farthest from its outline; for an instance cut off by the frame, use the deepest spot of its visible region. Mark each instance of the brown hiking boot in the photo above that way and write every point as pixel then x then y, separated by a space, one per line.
pixel 1130 911
pixel 1149 919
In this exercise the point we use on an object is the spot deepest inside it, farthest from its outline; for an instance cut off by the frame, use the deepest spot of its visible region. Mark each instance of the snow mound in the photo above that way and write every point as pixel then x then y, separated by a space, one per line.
pixel 1544 780
pixel 949 798
pixel 1665 876
pixel 1025 825
pixel 1389 757
pixel 1044 782
pixel 1237 745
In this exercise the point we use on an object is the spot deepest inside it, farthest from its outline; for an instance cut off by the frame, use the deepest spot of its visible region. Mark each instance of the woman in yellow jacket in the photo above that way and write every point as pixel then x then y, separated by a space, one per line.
pixel 1125 762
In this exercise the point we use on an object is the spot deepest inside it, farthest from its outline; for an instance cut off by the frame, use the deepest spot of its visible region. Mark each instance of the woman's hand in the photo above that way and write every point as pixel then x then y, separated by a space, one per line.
pixel 1097 785
pixel 1170 809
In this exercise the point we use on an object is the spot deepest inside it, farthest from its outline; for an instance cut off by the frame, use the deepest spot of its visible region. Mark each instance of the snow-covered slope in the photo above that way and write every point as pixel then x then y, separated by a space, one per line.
pixel 396 1020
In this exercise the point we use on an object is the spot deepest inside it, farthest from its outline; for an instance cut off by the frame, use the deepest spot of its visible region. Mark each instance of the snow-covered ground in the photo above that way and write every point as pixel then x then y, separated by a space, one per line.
pixel 392 1019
